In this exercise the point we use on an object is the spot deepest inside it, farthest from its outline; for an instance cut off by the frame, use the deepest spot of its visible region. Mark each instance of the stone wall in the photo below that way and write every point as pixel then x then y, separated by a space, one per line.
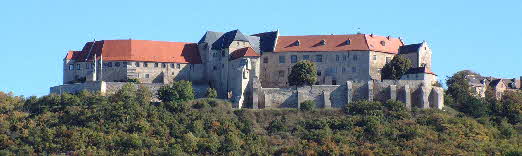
pixel 414 93
pixel 112 87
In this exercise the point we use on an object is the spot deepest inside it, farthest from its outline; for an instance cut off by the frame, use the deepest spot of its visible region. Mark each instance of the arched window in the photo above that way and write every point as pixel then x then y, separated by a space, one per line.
pixel 383 43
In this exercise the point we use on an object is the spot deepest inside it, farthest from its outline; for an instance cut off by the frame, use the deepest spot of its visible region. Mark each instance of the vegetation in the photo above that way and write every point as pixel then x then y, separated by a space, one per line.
pixel 211 93
pixel 127 123
pixel 177 91
pixel 303 73
pixel 397 67
pixel 307 105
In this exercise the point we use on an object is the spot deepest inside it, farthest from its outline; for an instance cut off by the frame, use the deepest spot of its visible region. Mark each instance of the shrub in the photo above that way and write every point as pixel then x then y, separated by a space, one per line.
pixel 178 91
pixel 372 108
pixel 211 93
pixel 307 105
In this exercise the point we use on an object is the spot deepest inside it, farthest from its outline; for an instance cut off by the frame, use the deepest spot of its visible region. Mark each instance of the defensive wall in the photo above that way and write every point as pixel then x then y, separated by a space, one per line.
pixel 111 87
pixel 414 93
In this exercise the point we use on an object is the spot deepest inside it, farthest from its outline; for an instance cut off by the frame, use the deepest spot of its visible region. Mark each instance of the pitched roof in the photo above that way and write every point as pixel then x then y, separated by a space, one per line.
pixel 138 50
pixel 267 41
pixel 243 52
pixel 496 82
pixel 419 70
pixel 409 48
pixel 357 42
pixel 227 38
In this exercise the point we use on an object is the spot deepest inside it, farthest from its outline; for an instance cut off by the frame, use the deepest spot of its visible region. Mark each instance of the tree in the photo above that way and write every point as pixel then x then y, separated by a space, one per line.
pixel 458 85
pixel 397 67
pixel 211 93
pixel 303 73
pixel 178 91
pixel 307 105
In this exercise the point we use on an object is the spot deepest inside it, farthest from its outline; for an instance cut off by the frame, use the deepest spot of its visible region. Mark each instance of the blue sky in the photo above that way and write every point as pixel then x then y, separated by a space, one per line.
pixel 483 36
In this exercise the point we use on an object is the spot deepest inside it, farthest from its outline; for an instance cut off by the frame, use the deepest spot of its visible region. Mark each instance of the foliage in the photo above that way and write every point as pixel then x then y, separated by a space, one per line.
pixel 211 93
pixel 178 91
pixel 127 123
pixel 303 73
pixel 307 105
pixel 134 80
pixel 397 67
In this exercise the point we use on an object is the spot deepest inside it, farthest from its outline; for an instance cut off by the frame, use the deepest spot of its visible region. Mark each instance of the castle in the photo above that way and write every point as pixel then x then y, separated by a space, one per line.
pixel 249 69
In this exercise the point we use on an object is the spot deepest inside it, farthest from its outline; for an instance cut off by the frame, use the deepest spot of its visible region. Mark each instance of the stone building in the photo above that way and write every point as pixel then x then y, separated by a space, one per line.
pixel 480 84
pixel 238 66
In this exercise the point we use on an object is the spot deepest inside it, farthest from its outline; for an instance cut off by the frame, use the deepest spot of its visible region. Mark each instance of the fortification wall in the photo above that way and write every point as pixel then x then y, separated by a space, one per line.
pixel 414 93
pixel 112 87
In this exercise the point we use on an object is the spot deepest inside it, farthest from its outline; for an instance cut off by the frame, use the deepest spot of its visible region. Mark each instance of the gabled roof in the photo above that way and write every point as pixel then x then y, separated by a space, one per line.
pixel 410 48
pixel 138 50
pixel 267 40
pixel 357 42
pixel 226 39
pixel 496 82
pixel 243 52
pixel 211 37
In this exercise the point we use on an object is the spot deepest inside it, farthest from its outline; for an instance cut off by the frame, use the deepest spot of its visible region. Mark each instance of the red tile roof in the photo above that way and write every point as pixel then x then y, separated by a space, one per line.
pixel 139 50
pixel 358 42
pixel 243 52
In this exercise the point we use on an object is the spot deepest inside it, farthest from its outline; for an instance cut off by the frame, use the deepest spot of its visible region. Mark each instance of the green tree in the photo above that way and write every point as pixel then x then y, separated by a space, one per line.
pixel 458 85
pixel 307 105
pixel 211 93
pixel 397 67
pixel 178 91
pixel 303 73
pixel 512 106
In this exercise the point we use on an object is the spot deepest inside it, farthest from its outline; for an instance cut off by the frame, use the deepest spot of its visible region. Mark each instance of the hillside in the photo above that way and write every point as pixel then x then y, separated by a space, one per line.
pixel 126 123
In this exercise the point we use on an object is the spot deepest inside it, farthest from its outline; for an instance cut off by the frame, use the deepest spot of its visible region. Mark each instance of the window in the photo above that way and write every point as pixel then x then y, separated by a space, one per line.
pixel 383 43
pixel 145 64
pixel 147 76
pixel 156 65
pixel 354 69
pixel 318 58
pixel 178 66
pixel 109 64
pixel 423 65
pixel 355 57
pixel 214 68
pixel 337 58
pixel 306 57
pixel 137 64
pixel 344 69
pixel 374 57
pixel 281 59
pixel 71 67
pixel 344 57
pixel 319 73
pixel 348 42
pixel 117 64
pixel 223 53
pixel 78 66
pixel 163 65
pixel 334 82
pixel 281 73
pixel 92 65
pixel 87 66
pixel 388 59
pixel 124 63
pixel 265 60
pixel 293 58
pixel 172 65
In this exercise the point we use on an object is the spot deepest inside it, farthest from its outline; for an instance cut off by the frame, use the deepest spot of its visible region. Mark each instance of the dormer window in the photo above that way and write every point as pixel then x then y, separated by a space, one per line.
pixel 297 43
pixel 383 43
pixel 323 42
pixel 348 42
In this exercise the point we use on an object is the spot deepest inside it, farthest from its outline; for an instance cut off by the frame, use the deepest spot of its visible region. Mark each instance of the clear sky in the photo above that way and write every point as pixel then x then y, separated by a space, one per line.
pixel 484 36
